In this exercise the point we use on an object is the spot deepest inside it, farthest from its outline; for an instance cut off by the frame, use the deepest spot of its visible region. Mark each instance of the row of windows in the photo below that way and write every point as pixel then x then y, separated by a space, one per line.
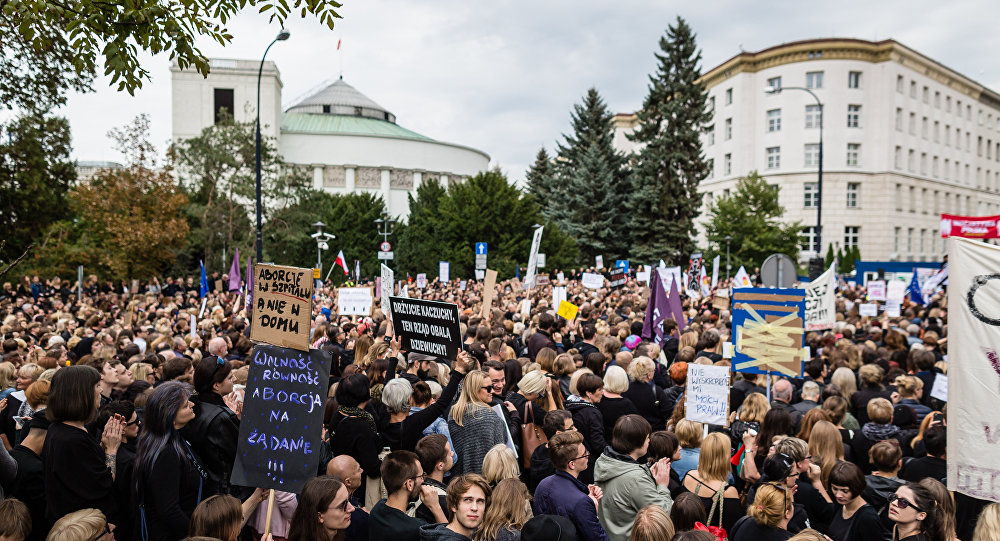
pixel 935 202
pixel 807 237
pixel 951 170
pixel 934 131
pixel 928 238
pixel 811 155
pixel 810 193
pixel 982 118
pixel 814 80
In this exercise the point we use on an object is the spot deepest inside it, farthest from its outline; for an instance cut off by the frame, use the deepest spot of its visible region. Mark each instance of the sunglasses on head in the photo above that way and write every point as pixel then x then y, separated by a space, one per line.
pixel 903 503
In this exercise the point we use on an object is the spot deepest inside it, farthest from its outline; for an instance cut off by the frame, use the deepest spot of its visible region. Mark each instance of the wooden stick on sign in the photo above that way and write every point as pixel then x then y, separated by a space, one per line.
pixel 270 507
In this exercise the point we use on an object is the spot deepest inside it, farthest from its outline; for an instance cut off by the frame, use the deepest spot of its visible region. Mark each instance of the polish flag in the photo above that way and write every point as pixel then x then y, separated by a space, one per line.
pixel 338 44
pixel 341 261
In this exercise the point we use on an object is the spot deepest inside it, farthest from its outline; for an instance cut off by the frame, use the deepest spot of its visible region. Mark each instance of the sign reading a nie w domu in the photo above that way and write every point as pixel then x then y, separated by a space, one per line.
pixel 427 327
pixel 282 299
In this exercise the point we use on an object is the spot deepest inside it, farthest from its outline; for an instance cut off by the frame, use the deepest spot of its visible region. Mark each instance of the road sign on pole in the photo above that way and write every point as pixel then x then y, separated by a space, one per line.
pixel 480 255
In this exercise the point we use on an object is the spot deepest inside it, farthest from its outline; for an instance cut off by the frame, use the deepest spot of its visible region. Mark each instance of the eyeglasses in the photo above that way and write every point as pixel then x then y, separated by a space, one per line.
pixel 422 476
pixel 903 503
pixel 487 388
pixel 137 421
pixel 584 455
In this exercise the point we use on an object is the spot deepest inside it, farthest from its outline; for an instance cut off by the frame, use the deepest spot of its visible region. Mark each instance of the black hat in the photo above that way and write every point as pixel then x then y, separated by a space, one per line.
pixel 777 467
pixel 39 420
pixel 548 528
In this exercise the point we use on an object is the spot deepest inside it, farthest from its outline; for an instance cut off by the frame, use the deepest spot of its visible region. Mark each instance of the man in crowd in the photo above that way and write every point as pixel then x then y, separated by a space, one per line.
pixel 563 494
pixel 403 477
pixel 468 497
pixel 436 459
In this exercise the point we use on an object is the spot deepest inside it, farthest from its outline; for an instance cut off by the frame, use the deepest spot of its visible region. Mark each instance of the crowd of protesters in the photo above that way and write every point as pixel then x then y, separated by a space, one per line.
pixel 120 421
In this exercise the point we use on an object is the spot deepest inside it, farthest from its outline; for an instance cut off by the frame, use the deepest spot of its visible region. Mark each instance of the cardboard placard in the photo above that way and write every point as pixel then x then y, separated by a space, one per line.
pixel 427 327
pixel 592 280
pixel 768 331
pixel 617 277
pixel 721 299
pixel 220 286
pixel 489 291
pixel 567 310
pixel 940 388
pixel 707 396
pixel 354 301
pixel 542 280
pixel 868 309
pixel 282 306
pixel 282 422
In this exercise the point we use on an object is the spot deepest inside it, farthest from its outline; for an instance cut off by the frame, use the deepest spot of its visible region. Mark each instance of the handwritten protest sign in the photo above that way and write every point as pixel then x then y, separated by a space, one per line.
pixel 421 281
pixel 617 277
pixel 821 302
pixel 558 295
pixel 282 304
pixel 599 261
pixel 868 309
pixel 940 388
pixel 768 330
pixel 354 301
pixel 592 280
pixel 427 327
pixel 567 310
pixel 895 290
pixel 876 290
pixel 489 291
pixel 282 421
pixel 388 280
pixel 707 396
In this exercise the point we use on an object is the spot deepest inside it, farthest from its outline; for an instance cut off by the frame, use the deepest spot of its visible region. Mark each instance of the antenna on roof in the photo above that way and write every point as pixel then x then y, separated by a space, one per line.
pixel 340 53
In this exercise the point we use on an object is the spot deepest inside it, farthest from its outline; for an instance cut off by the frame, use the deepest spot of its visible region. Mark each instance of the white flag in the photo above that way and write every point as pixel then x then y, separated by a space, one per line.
pixel 742 279
pixel 715 270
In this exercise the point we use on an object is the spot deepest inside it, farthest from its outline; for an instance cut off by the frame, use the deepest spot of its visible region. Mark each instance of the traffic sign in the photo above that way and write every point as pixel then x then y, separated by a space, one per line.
pixel 385 246
pixel 480 248
pixel 480 256
pixel 385 255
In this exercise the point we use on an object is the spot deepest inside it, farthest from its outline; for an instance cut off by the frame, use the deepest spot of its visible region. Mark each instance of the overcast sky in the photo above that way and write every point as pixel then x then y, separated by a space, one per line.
pixel 502 76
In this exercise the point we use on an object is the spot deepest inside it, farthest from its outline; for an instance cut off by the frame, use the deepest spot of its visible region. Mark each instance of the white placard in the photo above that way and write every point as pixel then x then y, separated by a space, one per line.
pixel 599 261
pixel 592 280
pixel 541 261
pixel 444 270
pixel 558 295
pixel 893 308
pixel 727 350
pixel 354 301
pixel 561 277
pixel 204 303
pixel 821 307
pixel 461 285
pixel 715 271
pixel 895 290
pixel 876 290
pixel 529 274
pixel 940 388
pixel 194 327
pixel 668 275
pixel 388 280
pixel 480 274
pixel 707 396
pixel 642 276
pixel 526 307
pixel 421 281
pixel 870 310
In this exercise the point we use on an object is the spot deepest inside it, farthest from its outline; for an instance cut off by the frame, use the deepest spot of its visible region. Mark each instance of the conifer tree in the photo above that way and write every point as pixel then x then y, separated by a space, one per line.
pixel 540 180
pixel 665 199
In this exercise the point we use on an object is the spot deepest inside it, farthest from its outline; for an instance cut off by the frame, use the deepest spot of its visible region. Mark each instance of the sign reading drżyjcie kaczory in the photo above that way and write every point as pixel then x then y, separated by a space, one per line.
pixel 427 327
pixel 282 424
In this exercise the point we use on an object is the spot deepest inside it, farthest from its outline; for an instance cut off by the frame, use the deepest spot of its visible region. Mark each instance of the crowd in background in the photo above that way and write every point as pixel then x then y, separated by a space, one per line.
pixel 120 421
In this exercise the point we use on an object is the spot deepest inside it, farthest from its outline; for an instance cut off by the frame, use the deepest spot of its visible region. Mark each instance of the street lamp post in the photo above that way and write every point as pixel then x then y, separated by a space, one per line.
pixel 385 225
pixel 282 36
pixel 322 243
pixel 819 176
pixel 728 266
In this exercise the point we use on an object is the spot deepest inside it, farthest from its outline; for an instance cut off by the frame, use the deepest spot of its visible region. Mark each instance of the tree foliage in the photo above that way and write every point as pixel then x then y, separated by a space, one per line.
pixel 77 37
pixel 540 179
pixel 751 216
pixel 665 199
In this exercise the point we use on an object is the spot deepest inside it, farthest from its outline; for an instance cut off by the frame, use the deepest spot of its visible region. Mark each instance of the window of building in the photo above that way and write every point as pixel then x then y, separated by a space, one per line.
pixel 710 133
pixel 810 191
pixel 923 235
pixel 923 163
pixel 947 169
pixel 937 99
pixel 853 194
pixel 899 197
pixel 774 83
pixel 711 173
pixel 979 146
pixel 899 119
pixel 727 162
pixel 899 84
pixel 773 157
pixel 934 167
pixel 729 129
pixel 947 104
pixel 937 131
pixel 729 96
pixel 927 95
pixel 968 112
pixel 854 79
pixel 913 89
pixel 813 116
pixel 897 161
pixel 968 141
pixel 853 154
pixel 936 206
pixel 947 135
pixel 958 138
pixel 933 244
pixel 853 116
pixel 711 103
pixel 958 108
pixel 912 199
pixel 852 236
pixel 807 239
pixel 923 127
pixel 223 105
pixel 814 79
pixel 913 123
pixel 774 120
pixel 923 201
pixel 811 155
pixel 909 243
pixel 911 161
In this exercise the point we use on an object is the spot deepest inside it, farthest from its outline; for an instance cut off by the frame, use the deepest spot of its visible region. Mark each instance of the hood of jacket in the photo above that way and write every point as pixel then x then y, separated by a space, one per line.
pixel 574 403
pixel 876 432
pixel 437 532
pixel 878 489
pixel 613 464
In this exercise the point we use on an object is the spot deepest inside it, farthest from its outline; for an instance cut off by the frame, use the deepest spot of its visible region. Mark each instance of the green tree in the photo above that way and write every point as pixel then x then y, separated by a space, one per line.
pixel 419 248
pixel 752 217
pixel 85 35
pixel 540 179
pixel 592 183
pixel 830 256
pixel 36 79
pixel 665 199
pixel 35 175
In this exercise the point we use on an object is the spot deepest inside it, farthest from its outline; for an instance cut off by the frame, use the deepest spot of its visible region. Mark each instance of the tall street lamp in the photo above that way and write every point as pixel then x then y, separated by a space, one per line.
pixel 728 238
pixel 322 243
pixel 819 176
pixel 282 36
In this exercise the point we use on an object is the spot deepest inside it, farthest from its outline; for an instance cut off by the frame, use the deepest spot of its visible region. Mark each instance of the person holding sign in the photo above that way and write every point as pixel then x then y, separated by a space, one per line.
pixel 475 427
pixel 324 510
pixel 216 427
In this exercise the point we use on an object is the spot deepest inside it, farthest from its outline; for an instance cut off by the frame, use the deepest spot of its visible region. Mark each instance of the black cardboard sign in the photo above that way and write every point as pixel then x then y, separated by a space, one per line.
pixel 282 424
pixel 427 327
pixel 617 277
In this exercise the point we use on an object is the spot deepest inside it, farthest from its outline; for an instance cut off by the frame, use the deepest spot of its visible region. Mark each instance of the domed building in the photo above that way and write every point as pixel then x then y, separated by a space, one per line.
pixel 348 141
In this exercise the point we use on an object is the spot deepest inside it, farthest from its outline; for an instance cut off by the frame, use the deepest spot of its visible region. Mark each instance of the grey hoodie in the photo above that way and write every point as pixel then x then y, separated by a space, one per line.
pixel 439 532
pixel 628 486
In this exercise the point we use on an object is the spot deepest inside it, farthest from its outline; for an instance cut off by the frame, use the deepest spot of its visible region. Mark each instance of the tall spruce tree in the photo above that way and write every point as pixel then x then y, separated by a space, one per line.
pixel 541 181
pixel 665 199
pixel 592 183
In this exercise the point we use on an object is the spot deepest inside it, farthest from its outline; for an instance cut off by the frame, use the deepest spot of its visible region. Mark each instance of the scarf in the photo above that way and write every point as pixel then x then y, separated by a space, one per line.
pixel 350 411
pixel 877 432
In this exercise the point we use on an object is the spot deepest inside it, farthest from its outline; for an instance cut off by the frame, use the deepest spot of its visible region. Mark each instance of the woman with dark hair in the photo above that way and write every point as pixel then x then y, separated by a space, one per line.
pixel 855 519
pixel 686 511
pixel 324 511
pixel 512 373
pixel 79 470
pixel 916 515
pixel 352 430
pixel 216 427
pixel 169 479
pixel 777 422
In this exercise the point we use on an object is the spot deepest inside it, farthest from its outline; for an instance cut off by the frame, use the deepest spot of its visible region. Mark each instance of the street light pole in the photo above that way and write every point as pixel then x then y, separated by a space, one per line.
pixel 728 266
pixel 321 243
pixel 282 36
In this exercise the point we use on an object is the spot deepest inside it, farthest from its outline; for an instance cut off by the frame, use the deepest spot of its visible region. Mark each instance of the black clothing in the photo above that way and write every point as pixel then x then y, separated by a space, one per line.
pixel 613 408
pixel 819 511
pixel 540 339
pixel 732 510
pixel 586 349
pixel 541 467
pixel 76 476
pixel 412 428
pixel 29 487
pixel 860 399
pixel 921 468
pixel 590 422
pixel 876 493
pixel 748 529
pixel 864 525
pixel 169 493
pixel 521 405
pixel 423 512
pixel 651 402
pixel 389 524
pixel 358 529
pixel 213 435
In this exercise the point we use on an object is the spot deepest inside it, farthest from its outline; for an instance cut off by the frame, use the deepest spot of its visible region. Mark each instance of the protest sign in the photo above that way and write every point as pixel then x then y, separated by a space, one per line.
pixel 769 330
pixel 940 388
pixel 893 308
pixel 204 303
pixel 461 285
pixel 592 280
pixel 693 281
pixel 558 295
pixel 567 310
pixel 525 307
pixel 868 309
pixel 444 270
pixel 742 279
pixel 599 261
pixel 427 327
pixel 388 280
pixel 973 227
pixel 974 368
pixel 489 291
pixel 354 301
pixel 529 275
pixel 895 290
pixel 617 277
pixel 282 421
pixel 542 280
pixel 282 299
pixel 721 299
pixel 876 290
pixel 707 396
pixel 642 276
pixel 715 270
pixel 669 275
pixel 421 281
pixel 480 274
pixel 821 302
pixel 561 277
pixel 193 331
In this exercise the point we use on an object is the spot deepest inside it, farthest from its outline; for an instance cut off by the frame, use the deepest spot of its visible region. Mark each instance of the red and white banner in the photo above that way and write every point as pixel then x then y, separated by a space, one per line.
pixel 971 227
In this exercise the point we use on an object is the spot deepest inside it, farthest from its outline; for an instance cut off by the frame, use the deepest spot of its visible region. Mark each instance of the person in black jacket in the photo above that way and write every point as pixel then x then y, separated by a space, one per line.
pixel 541 466
pixel 29 485
pixel 169 478
pixel 216 428
pixel 855 519
pixel 412 427
pixel 352 429
pixel 648 397
pixel 588 419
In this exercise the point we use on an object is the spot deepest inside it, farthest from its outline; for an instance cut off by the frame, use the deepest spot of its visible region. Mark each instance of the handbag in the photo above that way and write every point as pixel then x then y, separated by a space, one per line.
pixel 531 436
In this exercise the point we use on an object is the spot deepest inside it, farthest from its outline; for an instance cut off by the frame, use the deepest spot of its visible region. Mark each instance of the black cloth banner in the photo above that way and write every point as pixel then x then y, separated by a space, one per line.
pixel 282 425
pixel 427 327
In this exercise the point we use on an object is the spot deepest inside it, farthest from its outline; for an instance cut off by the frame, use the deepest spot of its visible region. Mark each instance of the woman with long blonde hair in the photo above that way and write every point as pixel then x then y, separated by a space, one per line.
pixel 809 420
pixel 507 512
pixel 710 482
pixel 474 427
pixel 827 448
pixel 845 379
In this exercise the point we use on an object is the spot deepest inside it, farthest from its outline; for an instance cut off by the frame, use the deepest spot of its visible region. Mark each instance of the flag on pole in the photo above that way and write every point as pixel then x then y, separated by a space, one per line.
pixel 234 272
pixel 357 270
pixel 715 270
pixel 742 278
pixel 706 286
pixel 674 304
pixel 916 296
pixel 249 283
pixel 342 262
pixel 204 280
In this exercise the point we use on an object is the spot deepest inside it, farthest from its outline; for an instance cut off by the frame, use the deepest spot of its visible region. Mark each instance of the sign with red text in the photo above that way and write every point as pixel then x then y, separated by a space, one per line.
pixel 970 227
